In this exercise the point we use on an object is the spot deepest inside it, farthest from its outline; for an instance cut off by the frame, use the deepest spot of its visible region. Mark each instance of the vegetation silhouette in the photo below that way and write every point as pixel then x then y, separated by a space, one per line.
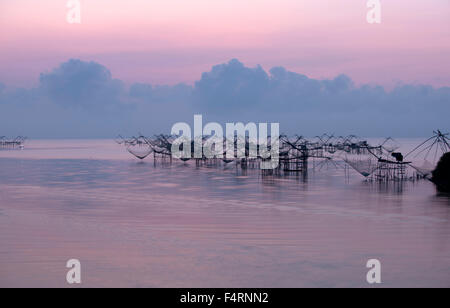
pixel 441 175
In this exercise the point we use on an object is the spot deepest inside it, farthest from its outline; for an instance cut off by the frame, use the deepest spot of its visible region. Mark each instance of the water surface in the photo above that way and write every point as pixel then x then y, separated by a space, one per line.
pixel 136 224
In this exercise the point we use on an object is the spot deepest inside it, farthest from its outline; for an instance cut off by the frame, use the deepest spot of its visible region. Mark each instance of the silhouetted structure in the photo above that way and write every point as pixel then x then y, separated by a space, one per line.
pixel 380 163
pixel 431 149
pixel 17 142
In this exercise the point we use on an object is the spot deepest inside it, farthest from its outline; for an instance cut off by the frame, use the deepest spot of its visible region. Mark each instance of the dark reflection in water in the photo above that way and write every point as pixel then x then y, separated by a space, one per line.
pixel 146 224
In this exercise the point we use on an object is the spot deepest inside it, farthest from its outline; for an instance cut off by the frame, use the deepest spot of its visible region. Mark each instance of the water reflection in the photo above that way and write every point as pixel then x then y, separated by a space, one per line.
pixel 388 187
pixel 181 225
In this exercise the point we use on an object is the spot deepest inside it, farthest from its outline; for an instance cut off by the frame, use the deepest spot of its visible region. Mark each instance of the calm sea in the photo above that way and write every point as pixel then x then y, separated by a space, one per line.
pixel 136 224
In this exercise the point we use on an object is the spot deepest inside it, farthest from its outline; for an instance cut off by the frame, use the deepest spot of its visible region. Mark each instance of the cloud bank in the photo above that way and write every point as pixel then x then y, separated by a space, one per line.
pixel 82 100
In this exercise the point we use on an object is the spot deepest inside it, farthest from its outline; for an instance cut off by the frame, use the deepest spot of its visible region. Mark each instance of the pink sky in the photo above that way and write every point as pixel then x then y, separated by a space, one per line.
pixel 171 41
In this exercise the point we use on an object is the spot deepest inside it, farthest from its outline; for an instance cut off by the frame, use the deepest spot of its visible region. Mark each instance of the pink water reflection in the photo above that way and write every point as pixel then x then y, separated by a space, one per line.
pixel 137 224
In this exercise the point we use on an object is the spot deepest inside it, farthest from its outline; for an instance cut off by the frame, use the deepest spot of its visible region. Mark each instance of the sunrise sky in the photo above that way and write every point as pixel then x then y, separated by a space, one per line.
pixel 171 41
